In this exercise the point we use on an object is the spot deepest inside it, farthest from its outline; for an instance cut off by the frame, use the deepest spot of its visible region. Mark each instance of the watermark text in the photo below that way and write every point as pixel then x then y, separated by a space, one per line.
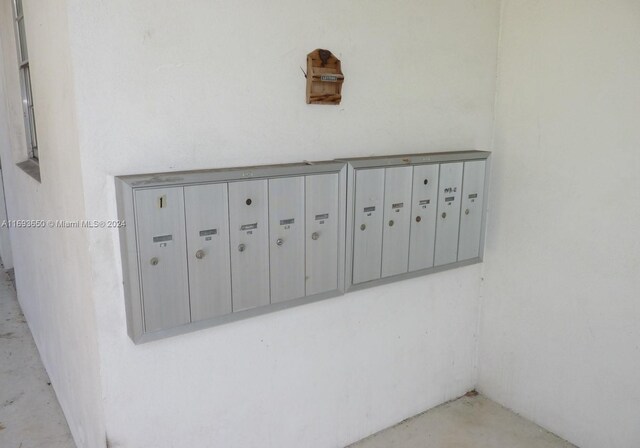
pixel 62 224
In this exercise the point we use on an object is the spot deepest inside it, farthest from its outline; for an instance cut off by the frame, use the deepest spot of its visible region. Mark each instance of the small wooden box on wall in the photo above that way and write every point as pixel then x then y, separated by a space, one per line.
pixel 324 78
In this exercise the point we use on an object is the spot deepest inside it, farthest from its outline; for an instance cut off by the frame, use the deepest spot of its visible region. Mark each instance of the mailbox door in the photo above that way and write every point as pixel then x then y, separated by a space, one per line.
pixel 162 257
pixel 368 215
pixel 286 238
pixel 423 220
pixel 207 221
pixel 448 220
pixel 249 237
pixel 471 212
pixel 397 212
pixel 322 199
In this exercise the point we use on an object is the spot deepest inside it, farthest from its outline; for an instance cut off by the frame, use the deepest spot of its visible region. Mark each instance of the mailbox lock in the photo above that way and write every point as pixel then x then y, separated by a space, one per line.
pixel 363 226
pixel 426 181
pixel 391 223
pixel 242 247
pixel 279 242
pixel 154 261
pixel 444 215
pixel 248 201
pixel 466 212
pixel 200 254
pixel 315 236
pixel 418 219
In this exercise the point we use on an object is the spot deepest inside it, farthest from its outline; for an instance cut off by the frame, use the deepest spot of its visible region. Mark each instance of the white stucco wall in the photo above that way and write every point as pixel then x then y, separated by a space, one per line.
pixel 163 85
pixel 51 265
pixel 5 231
pixel 561 296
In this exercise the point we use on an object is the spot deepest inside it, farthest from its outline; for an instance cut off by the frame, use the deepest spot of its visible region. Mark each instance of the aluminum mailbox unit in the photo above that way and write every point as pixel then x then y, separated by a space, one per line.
pixel 397 214
pixel 423 216
pixel 472 207
pixel 286 239
pixel 411 215
pixel 201 248
pixel 162 242
pixel 207 222
pixel 325 223
pixel 249 237
pixel 448 219
pixel 367 218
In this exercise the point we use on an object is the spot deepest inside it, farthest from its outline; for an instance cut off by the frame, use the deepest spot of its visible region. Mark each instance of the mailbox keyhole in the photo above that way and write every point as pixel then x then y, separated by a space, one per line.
pixel 426 181
pixel 248 201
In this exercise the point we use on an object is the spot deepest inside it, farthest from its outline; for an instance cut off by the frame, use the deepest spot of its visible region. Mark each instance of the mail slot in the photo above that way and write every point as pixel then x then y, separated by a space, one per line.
pixel 207 221
pixel 367 239
pixel 322 220
pixel 448 217
pixel 286 238
pixel 423 217
pixel 249 237
pixel 162 257
pixel 471 211
pixel 396 225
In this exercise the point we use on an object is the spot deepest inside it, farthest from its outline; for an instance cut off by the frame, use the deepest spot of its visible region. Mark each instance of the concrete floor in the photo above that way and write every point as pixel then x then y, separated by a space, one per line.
pixel 30 416
pixel 468 422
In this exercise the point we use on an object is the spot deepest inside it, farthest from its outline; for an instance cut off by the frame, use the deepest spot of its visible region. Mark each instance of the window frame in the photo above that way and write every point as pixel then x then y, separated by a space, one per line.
pixel 24 73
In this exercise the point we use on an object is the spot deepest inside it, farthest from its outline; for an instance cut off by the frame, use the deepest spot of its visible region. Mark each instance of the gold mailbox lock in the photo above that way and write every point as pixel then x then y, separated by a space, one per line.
pixel 324 78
